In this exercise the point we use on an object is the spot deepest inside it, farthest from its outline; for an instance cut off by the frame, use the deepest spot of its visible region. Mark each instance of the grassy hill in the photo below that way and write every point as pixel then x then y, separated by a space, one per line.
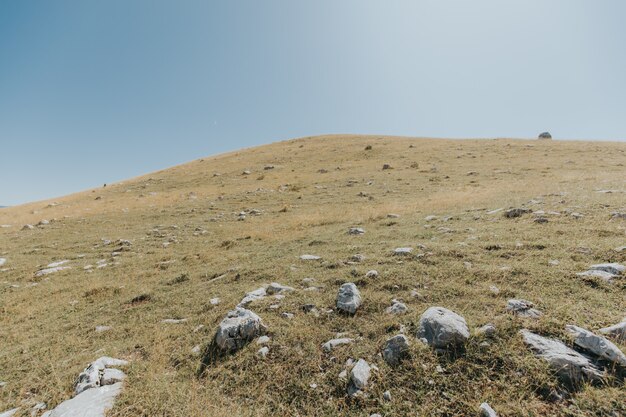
pixel 189 246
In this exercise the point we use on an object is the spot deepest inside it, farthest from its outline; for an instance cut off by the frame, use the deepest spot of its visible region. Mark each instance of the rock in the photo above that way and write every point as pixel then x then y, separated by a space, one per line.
pixel 348 298
pixel 10 413
pixel 239 327
pixel 333 343
pixel 554 262
pixel 2 261
pixel 275 288
pixel 263 352
pixel 402 251
pixel 393 216
pixel 441 328
pixel 37 408
pixel 287 316
pixel 618 215
pixel 597 345
pixel 51 270
pixel 620 248
pixel 603 275
pixel 516 212
pixel 263 340
pixel 28 227
pixel 387 395
pixel 356 231
pixel 494 290
pixel 396 349
pixel 359 376
pixel 93 375
pixel 487 411
pixel 357 258
pixel 371 274
pixel 252 296
pixel 544 135
pixel 310 257
pixel 100 329
pixel 397 308
pixel 618 331
pixel 386 166
pixel 612 268
pixel 571 367
pixel 541 220
pixel 488 330
pixel 214 301
pixel 196 350
pixel 523 308
pixel 111 376
pixel 173 321
pixel 90 403
pixel 268 167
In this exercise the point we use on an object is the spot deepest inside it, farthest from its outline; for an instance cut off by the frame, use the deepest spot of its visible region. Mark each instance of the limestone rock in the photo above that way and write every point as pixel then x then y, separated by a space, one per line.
pixel 397 307
pixel 487 411
pixel 348 298
pixel 333 343
pixel 395 349
pixel 90 403
pixel 523 308
pixel 516 212
pixel 611 268
pixel 275 288
pixel 618 331
pixel 597 345
pixel 359 376
pixel 239 327
pixel 2 261
pixel 93 375
pixel 10 413
pixel 441 328
pixel 603 275
pixel 571 367
pixel 252 296
pixel 402 251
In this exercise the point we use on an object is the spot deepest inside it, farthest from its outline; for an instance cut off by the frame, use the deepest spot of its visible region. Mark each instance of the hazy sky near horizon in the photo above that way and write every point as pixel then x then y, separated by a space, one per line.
pixel 96 92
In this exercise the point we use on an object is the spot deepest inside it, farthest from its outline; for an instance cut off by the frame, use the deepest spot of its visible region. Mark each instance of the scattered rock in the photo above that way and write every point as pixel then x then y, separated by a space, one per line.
pixel 387 395
pixel 441 328
pixel 28 227
pixel 263 340
pixel 356 231
pixel 494 290
pixel 310 257
pixel 395 349
pixel 523 308
pixel 618 215
pixel 287 316
pixel 371 274
pixel 597 345
pixel 348 298
pixel 214 301
pixel 393 216
pixel 603 275
pixel 386 166
pixel 333 343
pixel 402 251
pixel 487 411
pixel 93 375
pixel 90 403
pixel 618 331
pixel 100 329
pixel 2 261
pixel 516 212
pixel 239 327
pixel 263 352
pixel 359 377
pixel 488 330
pixel 173 321
pixel 397 307
pixel 276 288
pixel 571 367
pixel 10 413
pixel 252 296
pixel 612 268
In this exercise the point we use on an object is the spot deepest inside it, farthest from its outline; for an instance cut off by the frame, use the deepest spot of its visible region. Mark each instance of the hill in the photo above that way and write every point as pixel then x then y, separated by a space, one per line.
pixel 148 258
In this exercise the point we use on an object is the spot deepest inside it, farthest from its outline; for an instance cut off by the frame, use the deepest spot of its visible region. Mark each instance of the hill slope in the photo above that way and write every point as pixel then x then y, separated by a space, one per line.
pixel 189 245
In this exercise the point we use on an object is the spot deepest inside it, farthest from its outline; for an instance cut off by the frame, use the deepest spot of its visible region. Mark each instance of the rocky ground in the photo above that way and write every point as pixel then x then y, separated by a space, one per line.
pixel 339 275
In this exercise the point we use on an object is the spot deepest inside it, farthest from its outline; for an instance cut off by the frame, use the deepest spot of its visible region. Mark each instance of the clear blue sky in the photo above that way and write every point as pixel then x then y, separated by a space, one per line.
pixel 99 91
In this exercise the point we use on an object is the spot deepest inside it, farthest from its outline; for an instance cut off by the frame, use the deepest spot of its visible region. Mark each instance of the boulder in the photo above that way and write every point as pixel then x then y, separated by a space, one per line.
pixel 90 403
pixel 239 327
pixel 618 331
pixel 571 367
pixel 395 349
pixel 441 328
pixel 597 345
pixel 348 298
pixel 523 308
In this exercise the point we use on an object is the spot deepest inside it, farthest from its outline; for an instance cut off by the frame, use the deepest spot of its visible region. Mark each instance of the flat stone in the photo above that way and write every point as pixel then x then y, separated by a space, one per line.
pixel 263 352
pixel 263 340
pixel 47 271
pixel 90 403
pixel 396 349
pixel 310 257
pixel 597 345
pixel 516 212
pixel 618 331
pixel 92 375
pixel 174 321
pixel 275 288
pixel 100 329
pixel 348 298
pixel 441 328
pixel 333 343
pixel 214 301
pixel 571 367
pixel 488 330
pixel 10 413
pixel 603 275
pixel 523 308
pixel 612 268
pixel 402 251
pixel 2 261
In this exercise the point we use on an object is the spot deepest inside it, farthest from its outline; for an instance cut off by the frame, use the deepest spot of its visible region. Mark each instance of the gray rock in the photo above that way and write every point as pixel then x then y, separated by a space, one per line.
pixel 487 411
pixel 310 257
pixel 618 215
pixel 612 268
pixel 523 308
pixel 93 375
pixel 2 261
pixel 618 331
pixel 402 251
pixel 238 328
pixel 488 330
pixel 371 274
pixel 90 403
pixel 571 367
pixel 603 275
pixel 387 395
pixel 173 321
pixel 516 212
pixel 275 288
pixel 10 413
pixel 252 296
pixel 360 375
pixel 263 352
pixel 397 308
pixel 597 345
pixel 100 329
pixel 396 349
pixel 333 343
pixel 348 298
pixel 441 328
pixel 28 227
pixel 356 231
pixel 544 135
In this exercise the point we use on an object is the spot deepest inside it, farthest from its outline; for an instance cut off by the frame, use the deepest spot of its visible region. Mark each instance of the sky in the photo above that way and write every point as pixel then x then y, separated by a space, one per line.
pixel 94 92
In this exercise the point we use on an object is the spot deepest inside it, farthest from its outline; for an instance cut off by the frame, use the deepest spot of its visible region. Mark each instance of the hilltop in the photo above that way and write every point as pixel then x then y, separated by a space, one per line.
pixel 154 263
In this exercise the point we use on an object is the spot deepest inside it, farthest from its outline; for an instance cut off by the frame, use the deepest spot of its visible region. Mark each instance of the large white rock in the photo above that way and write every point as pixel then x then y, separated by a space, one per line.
pixel 440 328
pixel 617 331
pixel 571 367
pixel 238 328
pixel 348 298
pixel 597 345
pixel 93 402
pixel 395 349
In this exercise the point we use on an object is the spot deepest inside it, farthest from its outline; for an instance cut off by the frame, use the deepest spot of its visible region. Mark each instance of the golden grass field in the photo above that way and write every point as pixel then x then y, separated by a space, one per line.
pixel 47 331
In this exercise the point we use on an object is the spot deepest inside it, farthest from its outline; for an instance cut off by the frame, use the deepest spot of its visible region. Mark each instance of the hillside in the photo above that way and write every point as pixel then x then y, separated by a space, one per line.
pixel 165 245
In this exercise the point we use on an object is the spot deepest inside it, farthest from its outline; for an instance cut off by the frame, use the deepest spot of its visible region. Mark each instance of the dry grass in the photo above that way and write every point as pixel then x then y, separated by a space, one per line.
pixel 47 330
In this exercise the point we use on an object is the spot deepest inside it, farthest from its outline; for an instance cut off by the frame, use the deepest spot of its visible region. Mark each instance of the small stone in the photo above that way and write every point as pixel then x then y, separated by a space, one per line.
pixel 371 274
pixel 603 275
pixel 287 316
pixel 310 257
pixel 263 352
pixel 174 321
pixel 618 331
pixel 393 216
pixel 487 411
pixel 348 298
pixel 356 231
pixel 196 350
pixel 387 395
pixel 612 268
pixel 523 308
pixel 333 343
pixel 386 166
pixel 263 340
pixel 544 135
pixel 488 330
pixel 553 262
pixel 360 375
pixel 343 375
pixel 397 308
pixel 396 349
pixel 516 212
pixel 494 290
pixel 402 251
pixel 597 345
pixel 214 301
pixel 100 329
pixel 275 288
pixel 442 328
